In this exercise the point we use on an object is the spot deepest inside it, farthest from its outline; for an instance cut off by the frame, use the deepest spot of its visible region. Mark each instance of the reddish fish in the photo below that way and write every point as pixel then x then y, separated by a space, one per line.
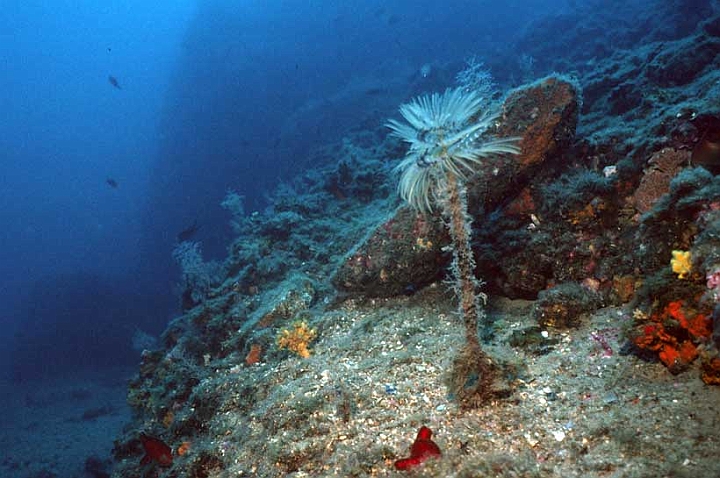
pixel 422 449
pixel 155 450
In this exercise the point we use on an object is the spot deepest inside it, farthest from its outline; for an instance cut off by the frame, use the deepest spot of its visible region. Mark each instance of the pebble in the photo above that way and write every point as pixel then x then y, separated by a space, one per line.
pixel 610 397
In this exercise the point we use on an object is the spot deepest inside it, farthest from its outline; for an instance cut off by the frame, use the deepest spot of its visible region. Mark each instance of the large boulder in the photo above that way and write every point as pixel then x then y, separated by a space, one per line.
pixel 406 251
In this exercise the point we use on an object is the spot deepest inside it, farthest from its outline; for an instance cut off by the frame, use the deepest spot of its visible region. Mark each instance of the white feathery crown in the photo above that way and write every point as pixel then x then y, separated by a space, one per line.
pixel 444 133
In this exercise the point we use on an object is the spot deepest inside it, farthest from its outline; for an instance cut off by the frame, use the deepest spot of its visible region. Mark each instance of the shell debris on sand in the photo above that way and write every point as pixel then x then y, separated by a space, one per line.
pixel 577 412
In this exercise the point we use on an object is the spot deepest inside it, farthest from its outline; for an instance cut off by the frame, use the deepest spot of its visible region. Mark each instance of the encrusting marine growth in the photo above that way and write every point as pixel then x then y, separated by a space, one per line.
pixel 681 263
pixel 422 448
pixel 297 339
pixel 445 133
pixel 155 451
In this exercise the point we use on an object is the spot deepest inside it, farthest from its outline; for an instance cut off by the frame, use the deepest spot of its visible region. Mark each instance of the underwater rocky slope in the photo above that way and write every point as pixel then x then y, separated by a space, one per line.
pixel 327 344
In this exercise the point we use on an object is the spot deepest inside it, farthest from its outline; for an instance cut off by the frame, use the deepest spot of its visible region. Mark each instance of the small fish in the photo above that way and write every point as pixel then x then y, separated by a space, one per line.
pixel 113 81
pixel 422 448
pixel 373 91
pixel 155 450
pixel 187 233
pixel 112 183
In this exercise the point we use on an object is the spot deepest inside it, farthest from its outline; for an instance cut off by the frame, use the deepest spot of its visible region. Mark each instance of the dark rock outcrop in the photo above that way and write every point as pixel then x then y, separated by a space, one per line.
pixel 406 251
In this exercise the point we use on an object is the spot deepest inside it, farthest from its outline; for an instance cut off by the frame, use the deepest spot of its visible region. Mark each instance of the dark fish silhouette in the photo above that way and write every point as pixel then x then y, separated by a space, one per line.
pixel 112 183
pixel 187 233
pixel 113 81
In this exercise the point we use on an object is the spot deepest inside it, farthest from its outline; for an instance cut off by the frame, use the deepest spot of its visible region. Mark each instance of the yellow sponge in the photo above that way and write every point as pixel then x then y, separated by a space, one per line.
pixel 681 263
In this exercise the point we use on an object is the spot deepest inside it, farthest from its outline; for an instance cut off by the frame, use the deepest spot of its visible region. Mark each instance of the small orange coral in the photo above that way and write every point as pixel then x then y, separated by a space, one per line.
pixel 669 355
pixel 254 355
pixel 676 356
pixel 673 335
pixel 697 326
pixel 183 448
pixel 297 338
pixel 711 371
pixel 687 352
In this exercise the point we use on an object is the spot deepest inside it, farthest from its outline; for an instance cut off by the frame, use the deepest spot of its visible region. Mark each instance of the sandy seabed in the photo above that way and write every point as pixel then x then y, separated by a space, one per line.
pixel 50 428
pixel 581 409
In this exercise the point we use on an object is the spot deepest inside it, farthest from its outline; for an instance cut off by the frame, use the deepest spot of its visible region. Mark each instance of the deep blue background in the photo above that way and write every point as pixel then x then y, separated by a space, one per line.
pixel 215 95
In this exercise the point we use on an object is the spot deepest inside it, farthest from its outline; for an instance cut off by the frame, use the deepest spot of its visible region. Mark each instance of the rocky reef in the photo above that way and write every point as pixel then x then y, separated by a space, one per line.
pixel 324 343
